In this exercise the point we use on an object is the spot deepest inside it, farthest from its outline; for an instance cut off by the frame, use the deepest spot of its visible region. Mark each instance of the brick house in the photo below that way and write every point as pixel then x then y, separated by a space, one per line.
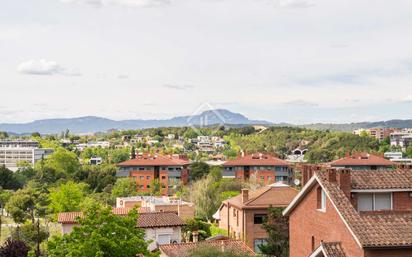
pixel 267 169
pixel 171 171
pixel 354 213
pixel 160 227
pixel 363 161
pixel 243 215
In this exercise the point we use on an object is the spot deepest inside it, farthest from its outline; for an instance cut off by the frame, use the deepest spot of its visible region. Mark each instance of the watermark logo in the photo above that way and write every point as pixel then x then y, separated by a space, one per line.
pixel 206 116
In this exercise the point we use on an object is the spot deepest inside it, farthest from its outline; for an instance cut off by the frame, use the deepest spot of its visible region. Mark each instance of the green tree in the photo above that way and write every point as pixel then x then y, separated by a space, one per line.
pixel 277 227
pixel 67 197
pixel 21 205
pixel 204 195
pixel 198 170
pixel 31 234
pixel 408 151
pixel 8 180
pixel 14 248
pixel 102 234
pixel 124 187
pixel 155 187
pixel 62 161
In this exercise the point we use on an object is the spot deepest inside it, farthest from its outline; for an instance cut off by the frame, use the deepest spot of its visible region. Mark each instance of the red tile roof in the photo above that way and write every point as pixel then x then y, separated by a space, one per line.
pixel 332 249
pixel 155 160
pixel 256 160
pixel 69 217
pixel 159 219
pixel 276 196
pixel 362 159
pixel 381 179
pixel 184 249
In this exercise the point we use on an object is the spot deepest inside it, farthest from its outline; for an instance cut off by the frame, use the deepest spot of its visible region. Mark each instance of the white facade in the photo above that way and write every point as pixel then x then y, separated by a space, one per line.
pixel 12 156
pixel 161 236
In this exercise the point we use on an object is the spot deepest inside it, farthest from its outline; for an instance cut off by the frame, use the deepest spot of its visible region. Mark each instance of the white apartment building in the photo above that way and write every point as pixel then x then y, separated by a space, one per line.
pixel 14 152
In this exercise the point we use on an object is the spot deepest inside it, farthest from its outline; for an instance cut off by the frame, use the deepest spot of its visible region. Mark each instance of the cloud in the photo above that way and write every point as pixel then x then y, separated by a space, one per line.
pixel 45 67
pixel 292 3
pixel 178 87
pixel 122 76
pixel 127 3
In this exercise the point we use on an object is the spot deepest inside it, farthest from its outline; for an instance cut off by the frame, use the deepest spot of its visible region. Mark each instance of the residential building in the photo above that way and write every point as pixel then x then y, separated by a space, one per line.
pixel 102 144
pixel 401 139
pixel 243 215
pixel 363 161
pixel 378 133
pixel 344 212
pixel 184 249
pixel 393 155
pixel 171 171
pixel 160 227
pixel 14 152
pixel 266 168
pixel 158 204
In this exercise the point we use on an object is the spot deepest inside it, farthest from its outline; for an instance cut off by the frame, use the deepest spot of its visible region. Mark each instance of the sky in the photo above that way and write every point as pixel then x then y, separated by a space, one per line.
pixel 296 61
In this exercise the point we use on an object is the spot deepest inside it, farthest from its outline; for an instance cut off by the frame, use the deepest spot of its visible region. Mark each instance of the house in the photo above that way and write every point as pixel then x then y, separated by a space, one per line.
pixel 354 213
pixel 184 249
pixel 183 209
pixel 160 227
pixel 363 161
pixel 243 215
pixel 401 139
pixel 267 169
pixel 171 171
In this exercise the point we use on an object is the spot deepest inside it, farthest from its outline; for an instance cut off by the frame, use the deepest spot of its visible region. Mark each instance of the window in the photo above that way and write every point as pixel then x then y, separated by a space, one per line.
pixel 148 177
pixel 374 201
pixel 259 218
pixel 321 199
pixel 163 239
pixel 141 177
pixel 163 177
pixel 257 243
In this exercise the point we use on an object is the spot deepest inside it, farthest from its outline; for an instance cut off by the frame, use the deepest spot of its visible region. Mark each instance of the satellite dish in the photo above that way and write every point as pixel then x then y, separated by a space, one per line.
pixel 297 182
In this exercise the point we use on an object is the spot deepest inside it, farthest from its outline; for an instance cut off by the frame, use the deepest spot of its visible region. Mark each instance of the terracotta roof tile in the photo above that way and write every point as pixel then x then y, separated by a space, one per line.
pixel 333 249
pixel 155 160
pixel 362 159
pixel 68 217
pixel 266 196
pixel 159 219
pixel 184 249
pixel 382 179
pixel 256 160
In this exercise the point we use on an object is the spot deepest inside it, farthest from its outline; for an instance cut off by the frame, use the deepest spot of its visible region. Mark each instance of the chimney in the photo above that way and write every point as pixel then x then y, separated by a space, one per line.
pixel 245 195
pixel 344 182
pixel 331 175
pixel 307 172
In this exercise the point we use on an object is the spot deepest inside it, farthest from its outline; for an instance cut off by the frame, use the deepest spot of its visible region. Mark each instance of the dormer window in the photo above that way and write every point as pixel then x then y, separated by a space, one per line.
pixel 374 201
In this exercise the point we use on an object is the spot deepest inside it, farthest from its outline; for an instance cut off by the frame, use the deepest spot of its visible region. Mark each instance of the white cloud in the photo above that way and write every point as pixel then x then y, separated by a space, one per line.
pixel 293 3
pixel 178 87
pixel 127 3
pixel 45 67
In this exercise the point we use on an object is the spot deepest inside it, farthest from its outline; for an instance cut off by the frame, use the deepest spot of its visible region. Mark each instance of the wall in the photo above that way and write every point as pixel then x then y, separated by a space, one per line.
pixel 389 253
pixel 254 231
pixel 306 221
pixel 152 233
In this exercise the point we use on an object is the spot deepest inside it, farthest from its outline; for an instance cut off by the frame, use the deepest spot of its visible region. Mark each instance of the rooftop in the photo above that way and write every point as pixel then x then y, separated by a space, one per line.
pixel 184 249
pixel 362 159
pixel 155 160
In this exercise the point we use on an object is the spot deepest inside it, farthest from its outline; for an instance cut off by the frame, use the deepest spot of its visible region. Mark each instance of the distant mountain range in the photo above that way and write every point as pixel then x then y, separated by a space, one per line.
pixel 92 124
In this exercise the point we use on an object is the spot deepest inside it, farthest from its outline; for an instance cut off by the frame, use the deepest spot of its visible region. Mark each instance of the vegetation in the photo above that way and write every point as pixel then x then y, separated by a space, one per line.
pixel 277 227
pixel 103 234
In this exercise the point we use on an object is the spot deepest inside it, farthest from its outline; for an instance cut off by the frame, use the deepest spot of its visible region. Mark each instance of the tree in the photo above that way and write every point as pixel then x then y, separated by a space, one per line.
pixel 67 197
pixel 124 187
pixel 3 135
pixel 204 195
pixel 99 177
pixel 277 227
pixel 21 206
pixel 14 248
pixel 102 234
pixel 31 234
pixel 155 187
pixel 8 180
pixel 63 161
pixel 203 228
pixel 408 151
pixel 198 170
pixel 4 198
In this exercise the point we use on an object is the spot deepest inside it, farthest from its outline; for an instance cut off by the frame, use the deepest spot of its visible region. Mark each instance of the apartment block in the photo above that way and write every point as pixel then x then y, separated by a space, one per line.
pixel 266 168
pixel 363 161
pixel 171 171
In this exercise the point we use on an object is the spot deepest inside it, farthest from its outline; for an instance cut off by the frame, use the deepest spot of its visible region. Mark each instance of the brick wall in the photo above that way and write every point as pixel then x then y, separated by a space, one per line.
pixel 307 222
pixel 402 201
pixel 389 253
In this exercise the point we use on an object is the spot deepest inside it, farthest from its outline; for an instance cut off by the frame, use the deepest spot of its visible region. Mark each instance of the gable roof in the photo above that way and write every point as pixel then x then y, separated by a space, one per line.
pixel 276 196
pixel 145 219
pixel 154 160
pixel 383 229
pixel 159 219
pixel 184 249
pixel 362 159
pixel 257 159
pixel 329 249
